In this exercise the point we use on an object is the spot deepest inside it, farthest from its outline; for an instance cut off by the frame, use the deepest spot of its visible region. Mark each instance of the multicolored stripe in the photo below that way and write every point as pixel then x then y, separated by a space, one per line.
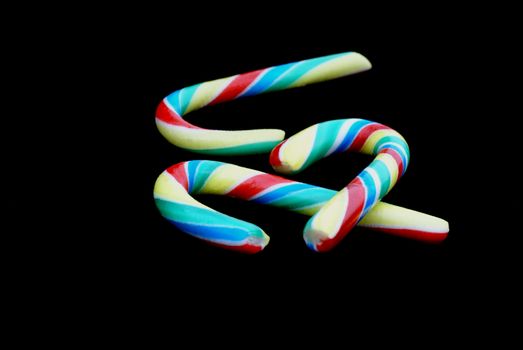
pixel 341 213
pixel 175 186
pixel 220 142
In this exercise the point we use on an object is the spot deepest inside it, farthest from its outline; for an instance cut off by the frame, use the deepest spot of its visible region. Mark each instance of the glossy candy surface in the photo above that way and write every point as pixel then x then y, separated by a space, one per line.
pixel 223 142
pixel 333 214
pixel 341 213
pixel 176 186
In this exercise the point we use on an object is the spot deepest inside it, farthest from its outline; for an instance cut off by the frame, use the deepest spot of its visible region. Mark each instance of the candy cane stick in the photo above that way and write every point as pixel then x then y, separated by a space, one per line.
pixel 175 186
pixel 185 135
pixel 340 214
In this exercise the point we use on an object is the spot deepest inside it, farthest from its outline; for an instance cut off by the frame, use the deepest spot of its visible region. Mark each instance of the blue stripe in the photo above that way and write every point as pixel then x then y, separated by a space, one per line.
pixel 323 140
pixel 191 170
pixel 404 160
pixel 268 79
pixel 203 171
pixel 174 101
pixel 300 69
pixel 233 234
pixel 186 96
pixel 368 181
pixel 392 138
pixel 303 198
pixel 399 146
pixel 206 223
pixel 307 228
pixel 280 192
pixel 351 134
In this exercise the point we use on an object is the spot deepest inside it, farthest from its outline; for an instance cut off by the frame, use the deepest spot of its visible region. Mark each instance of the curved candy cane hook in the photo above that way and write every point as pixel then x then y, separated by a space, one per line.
pixel 173 189
pixel 340 214
pixel 188 136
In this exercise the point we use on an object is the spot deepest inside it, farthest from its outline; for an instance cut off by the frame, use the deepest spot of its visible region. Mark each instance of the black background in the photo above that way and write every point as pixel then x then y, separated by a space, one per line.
pixel 87 154
pixel 431 80
pixel 414 87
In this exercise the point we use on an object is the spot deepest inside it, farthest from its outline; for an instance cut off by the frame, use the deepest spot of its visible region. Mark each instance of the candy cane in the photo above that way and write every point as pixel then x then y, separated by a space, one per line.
pixel 341 213
pixel 188 136
pixel 174 187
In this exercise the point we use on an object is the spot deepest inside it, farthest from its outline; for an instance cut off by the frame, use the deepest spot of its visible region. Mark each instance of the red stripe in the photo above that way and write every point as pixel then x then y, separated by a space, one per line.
pixel 364 134
pixel 236 87
pixel 396 157
pixel 256 184
pixel 424 236
pixel 352 214
pixel 246 248
pixel 167 115
pixel 178 172
pixel 274 158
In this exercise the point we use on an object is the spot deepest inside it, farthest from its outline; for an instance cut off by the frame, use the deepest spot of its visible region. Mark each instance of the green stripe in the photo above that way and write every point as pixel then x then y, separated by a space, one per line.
pixel 186 95
pixel 303 198
pixel 300 69
pixel 395 139
pixel 383 174
pixel 185 213
pixel 204 170
pixel 325 137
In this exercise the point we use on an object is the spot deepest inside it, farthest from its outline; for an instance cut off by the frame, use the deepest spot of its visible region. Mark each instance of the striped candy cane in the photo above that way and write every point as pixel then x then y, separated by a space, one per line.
pixel 188 136
pixel 175 186
pixel 341 213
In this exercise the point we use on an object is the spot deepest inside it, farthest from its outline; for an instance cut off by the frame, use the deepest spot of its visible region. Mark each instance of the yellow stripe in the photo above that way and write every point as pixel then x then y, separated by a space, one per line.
pixel 391 216
pixel 374 138
pixel 206 92
pixel 197 139
pixel 310 211
pixel 329 219
pixel 166 187
pixel 339 67
pixel 294 153
pixel 225 177
pixel 391 164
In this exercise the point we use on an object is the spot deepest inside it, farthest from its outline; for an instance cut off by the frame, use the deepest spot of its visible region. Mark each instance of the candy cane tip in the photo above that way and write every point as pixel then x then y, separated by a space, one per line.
pixel 260 241
pixel 314 239
pixel 284 168
pixel 280 164
pixel 244 249
pixel 364 63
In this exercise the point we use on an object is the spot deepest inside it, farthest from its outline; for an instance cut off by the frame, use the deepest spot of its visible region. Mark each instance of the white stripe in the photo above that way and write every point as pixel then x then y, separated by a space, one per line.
pixel 377 183
pixel 284 74
pixel 186 168
pixel 219 91
pixel 402 149
pixel 254 82
pixel 206 225
pixel 202 206
pixel 195 172
pixel 365 197
pixel 249 239
pixel 282 150
pixel 210 175
pixel 272 188
pixel 169 105
pixel 356 135
pixel 245 178
pixel 341 135
pixel 293 193
pixel 386 144
pixel 180 100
